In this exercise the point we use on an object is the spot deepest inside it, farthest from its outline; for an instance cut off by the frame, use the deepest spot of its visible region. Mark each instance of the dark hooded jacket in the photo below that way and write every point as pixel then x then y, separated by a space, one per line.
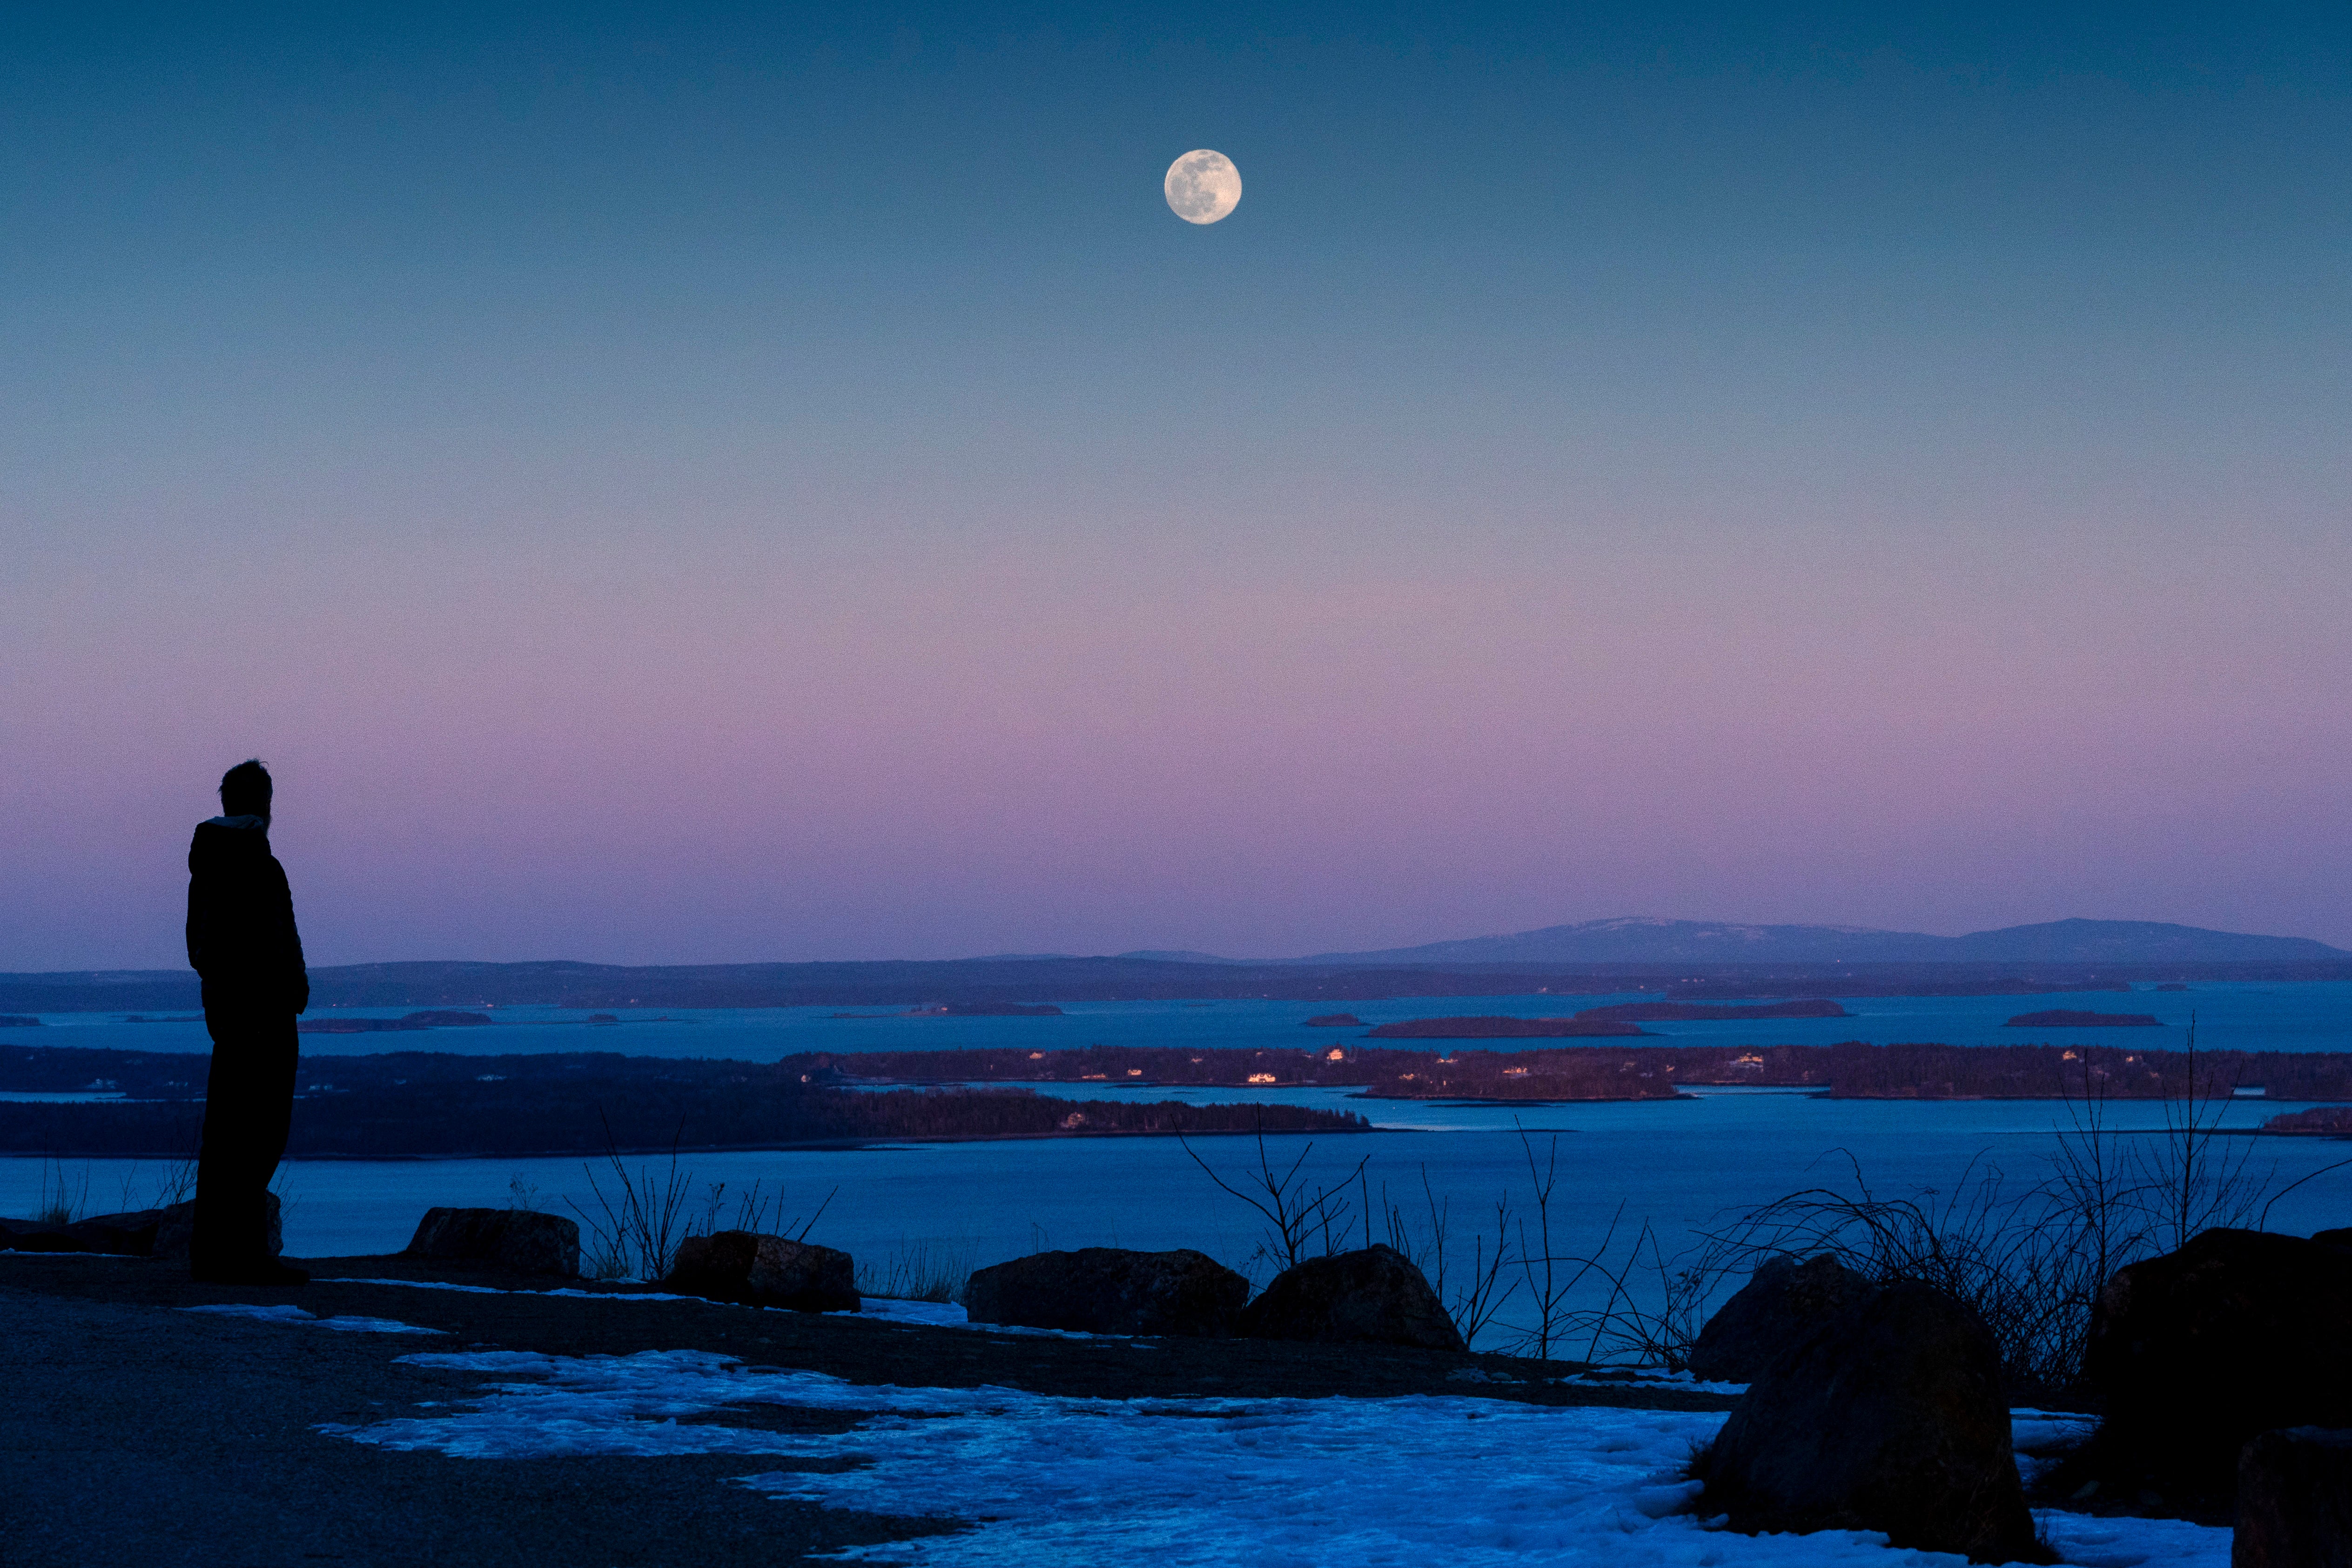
pixel 241 935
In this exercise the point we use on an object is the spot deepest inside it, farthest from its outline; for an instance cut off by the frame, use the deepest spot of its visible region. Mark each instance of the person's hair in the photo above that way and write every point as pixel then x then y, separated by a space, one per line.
pixel 245 790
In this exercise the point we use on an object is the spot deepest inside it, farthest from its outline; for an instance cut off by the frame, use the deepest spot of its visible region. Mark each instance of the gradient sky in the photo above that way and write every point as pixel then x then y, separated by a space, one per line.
pixel 694 484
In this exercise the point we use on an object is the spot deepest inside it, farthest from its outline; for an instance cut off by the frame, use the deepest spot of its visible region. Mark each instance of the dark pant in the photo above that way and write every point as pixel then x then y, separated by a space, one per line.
pixel 248 1106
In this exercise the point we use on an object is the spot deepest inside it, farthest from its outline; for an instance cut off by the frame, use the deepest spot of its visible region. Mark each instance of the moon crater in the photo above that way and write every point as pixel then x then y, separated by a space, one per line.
pixel 1203 186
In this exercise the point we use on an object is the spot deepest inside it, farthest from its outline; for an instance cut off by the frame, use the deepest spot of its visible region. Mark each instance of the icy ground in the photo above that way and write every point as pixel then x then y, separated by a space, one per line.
pixel 292 1314
pixel 1353 1483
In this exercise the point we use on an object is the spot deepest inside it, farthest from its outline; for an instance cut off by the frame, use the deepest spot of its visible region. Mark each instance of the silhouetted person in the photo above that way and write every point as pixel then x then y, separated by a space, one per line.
pixel 242 941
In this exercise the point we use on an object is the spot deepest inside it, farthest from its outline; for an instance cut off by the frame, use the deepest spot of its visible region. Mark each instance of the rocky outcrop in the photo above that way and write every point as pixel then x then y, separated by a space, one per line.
pixel 1374 1296
pixel 2197 1352
pixel 1889 1416
pixel 1782 1302
pixel 765 1271
pixel 1110 1290
pixel 162 1233
pixel 2295 1500
pixel 520 1239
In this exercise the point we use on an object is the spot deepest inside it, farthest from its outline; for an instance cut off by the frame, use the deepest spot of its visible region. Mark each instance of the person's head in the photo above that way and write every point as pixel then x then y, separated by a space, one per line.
pixel 245 790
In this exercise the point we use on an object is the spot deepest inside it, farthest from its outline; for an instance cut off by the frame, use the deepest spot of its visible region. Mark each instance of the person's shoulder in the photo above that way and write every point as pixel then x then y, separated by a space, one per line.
pixel 229 836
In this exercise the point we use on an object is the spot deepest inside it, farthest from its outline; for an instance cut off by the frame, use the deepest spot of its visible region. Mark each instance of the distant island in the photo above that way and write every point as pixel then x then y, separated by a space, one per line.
pixel 1849 1071
pixel 2060 1018
pixel 1335 1021
pixel 436 1018
pixel 423 1104
pixel 419 1104
pixel 7 1021
pixel 2321 1120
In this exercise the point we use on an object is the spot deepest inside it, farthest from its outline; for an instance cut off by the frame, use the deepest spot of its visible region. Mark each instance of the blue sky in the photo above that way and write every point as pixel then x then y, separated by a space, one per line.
pixel 758 482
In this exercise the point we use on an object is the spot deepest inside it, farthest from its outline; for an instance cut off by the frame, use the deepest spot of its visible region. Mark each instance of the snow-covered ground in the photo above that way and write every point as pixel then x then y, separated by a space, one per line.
pixel 292 1314
pixel 1472 1483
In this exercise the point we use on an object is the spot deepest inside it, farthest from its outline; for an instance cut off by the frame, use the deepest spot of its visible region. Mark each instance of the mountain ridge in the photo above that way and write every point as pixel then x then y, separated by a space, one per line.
pixel 1644 939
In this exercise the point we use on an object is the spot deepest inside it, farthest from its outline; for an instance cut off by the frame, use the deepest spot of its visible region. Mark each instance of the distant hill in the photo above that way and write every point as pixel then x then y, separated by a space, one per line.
pixel 1684 960
pixel 1642 939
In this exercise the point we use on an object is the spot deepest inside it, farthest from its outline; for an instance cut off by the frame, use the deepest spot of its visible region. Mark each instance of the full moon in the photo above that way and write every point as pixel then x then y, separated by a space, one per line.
pixel 1203 186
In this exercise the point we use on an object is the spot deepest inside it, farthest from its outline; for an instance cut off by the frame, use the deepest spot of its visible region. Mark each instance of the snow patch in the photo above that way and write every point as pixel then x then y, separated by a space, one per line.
pixel 1379 1483
pixel 292 1314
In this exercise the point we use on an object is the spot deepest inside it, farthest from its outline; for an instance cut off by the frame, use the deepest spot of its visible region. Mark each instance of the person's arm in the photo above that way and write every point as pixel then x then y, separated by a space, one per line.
pixel 200 917
pixel 297 975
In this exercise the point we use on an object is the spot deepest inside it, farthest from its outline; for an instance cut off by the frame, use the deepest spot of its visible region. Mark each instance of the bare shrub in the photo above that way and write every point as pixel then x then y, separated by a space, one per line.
pixel 919 1272
pixel 61 1200
pixel 1298 1219
pixel 636 1233
pixel 1474 1290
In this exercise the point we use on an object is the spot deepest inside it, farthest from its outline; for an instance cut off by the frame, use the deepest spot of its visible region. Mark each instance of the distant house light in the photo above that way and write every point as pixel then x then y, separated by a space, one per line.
pixel 2250 1091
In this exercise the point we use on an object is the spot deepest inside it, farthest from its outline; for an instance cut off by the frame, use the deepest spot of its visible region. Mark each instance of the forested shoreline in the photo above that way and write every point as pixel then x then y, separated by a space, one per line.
pixel 424 1103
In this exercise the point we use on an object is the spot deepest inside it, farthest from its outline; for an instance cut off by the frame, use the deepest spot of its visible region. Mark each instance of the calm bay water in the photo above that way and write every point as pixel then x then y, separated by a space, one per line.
pixel 1682 1165
pixel 2312 1016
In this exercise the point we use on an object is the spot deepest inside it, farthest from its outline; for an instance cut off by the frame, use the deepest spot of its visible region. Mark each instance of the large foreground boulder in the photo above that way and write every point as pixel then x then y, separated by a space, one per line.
pixel 765 1271
pixel 520 1239
pixel 1782 1303
pixel 1110 1290
pixel 1375 1296
pixel 2295 1500
pixel 2200 1351
pixel 1888 1417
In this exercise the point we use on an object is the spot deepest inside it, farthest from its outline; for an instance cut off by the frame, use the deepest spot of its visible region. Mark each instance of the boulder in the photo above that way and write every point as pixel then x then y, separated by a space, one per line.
pixel 765 1271
pixel 123 1234
pixel 523 1240
pixel 2338 1238
pixel 1782 1302
pixel 2197 1352
pixel 1374 1296
pixel 176 1227
pixel 37 1235
pixel 2295 1500
pixel 129 1234
pixel 1110 1290
pixel 1889 1416
pixel 141 1233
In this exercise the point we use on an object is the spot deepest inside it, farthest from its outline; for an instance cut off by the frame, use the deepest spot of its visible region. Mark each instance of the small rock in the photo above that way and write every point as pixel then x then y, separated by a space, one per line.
pixel 765 1271
pixel 1374 1296
pixel 2295 1500
pixel 521 1239
pixel 1888 1417
pixel 1782 1302
pixel 1110 1290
